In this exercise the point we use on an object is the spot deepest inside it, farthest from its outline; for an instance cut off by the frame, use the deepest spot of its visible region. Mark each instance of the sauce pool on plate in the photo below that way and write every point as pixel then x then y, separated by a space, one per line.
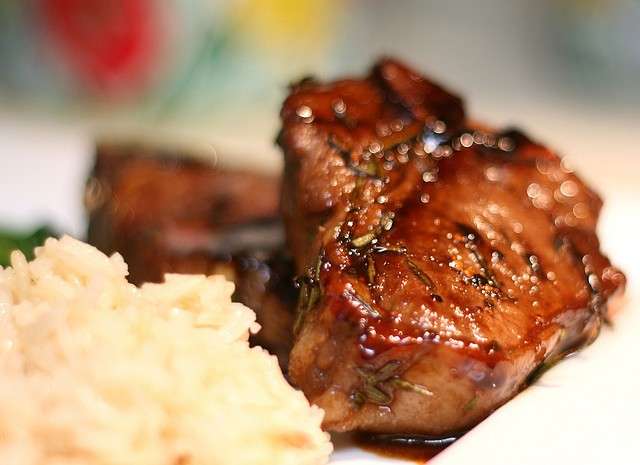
pixel 416 449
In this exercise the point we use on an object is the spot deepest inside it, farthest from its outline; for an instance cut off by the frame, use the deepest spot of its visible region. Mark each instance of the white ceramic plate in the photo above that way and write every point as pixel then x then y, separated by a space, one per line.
pixel 585 410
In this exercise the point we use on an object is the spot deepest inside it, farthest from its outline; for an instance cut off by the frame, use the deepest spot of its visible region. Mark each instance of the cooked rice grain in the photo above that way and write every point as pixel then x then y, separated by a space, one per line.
pixel 96 371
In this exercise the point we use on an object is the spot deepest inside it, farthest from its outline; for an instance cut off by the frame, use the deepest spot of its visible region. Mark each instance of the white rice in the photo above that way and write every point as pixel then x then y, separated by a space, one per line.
pixel 96 371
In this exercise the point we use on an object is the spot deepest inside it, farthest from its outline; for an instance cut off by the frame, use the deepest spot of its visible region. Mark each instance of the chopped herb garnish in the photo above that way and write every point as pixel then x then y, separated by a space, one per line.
pixel 310 292
pixel 542 368
pixel 301 310
pixel 364 305
pixel 309 296
pixel 386 371
pixel 421 275
pixel 314 296
pixel 363 240
pixel 390 248
pixel 471 404
pixel 376 395
pixel 385 224
pixel 370 168
pixel 409 386
pixel 378 385
pixel 371 269
pixel 373 382
pixel 358 399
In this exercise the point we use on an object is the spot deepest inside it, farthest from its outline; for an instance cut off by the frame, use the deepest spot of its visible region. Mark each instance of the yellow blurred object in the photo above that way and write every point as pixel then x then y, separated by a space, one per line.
pixel 277 26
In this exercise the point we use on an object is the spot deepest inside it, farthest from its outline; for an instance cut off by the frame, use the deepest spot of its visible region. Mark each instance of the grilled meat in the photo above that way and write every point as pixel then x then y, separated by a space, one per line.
pixel 169 214
pixel 444 263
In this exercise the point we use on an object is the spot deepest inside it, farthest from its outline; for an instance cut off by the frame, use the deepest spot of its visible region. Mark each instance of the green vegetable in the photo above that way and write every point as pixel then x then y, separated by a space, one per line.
pixel 25 242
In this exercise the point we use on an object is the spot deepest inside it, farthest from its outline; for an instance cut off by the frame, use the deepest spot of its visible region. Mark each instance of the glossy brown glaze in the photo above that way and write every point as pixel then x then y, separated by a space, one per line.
pixel 169 214
pixel 412 449
pixel 443 263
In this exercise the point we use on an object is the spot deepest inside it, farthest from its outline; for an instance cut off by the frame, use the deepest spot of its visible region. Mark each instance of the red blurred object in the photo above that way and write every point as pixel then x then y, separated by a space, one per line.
pixel 110 44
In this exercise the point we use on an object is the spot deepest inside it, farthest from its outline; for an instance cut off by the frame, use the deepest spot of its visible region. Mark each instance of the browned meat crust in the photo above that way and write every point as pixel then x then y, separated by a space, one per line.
pixel 169 214
pixel 444 264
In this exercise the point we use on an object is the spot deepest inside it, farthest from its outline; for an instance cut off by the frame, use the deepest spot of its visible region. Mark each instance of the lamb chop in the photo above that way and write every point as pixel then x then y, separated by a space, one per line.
pixel 166 213
pixel 444 264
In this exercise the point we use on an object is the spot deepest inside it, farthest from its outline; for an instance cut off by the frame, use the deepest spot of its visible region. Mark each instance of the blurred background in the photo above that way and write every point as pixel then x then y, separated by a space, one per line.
pixel 211 74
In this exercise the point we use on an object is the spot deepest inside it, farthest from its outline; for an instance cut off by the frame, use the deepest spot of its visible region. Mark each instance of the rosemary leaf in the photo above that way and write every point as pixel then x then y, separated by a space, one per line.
pixel 392 248
pixel 314 295
pixel 366 375
pixel 310 292
pixel 372 312
pixel 409 386
pixel 371 269
pixel 470 405
pixel 301 310
pixel 387 370
pixel 421 275
pixel 378 384
pixel 370 168
pixel 309 296
pixel 358 399
pixel 377 396
pixel 363 240
pixel 316 274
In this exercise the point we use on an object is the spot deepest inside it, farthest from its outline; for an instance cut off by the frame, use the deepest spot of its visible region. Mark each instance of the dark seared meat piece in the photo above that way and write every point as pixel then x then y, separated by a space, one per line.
pixel 168 214
pixel 443 264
